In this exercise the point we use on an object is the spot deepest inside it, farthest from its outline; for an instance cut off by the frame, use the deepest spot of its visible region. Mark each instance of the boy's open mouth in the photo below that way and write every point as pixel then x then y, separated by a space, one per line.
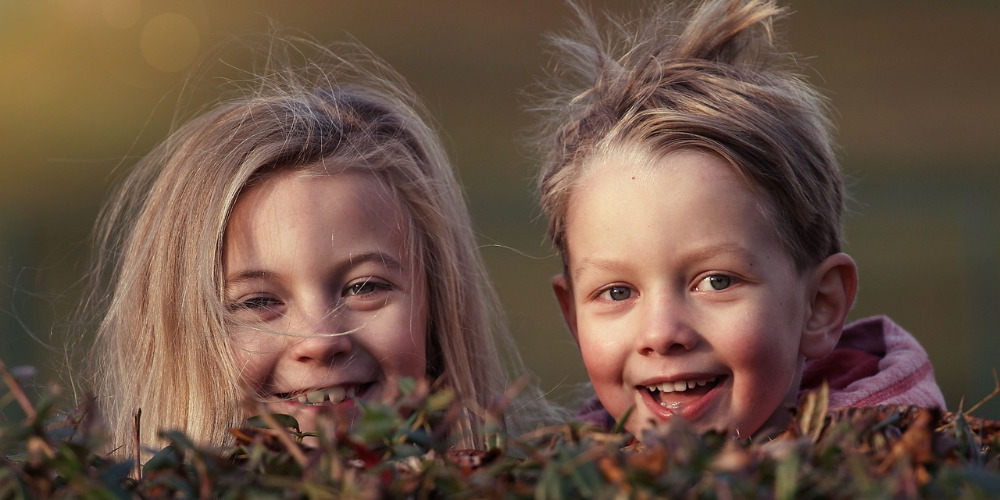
pixel 674 395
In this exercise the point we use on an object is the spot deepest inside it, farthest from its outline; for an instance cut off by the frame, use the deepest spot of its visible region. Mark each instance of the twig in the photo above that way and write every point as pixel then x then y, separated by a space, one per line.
pixel 541 432
pixel 204 483
pixel 138 458
pixel 996 391
pixel 15 389
pixel 286 439
pixel 968 413
pixel 495 413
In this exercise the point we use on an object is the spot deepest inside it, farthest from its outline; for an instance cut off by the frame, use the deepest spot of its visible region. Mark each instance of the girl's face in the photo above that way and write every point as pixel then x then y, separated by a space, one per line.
pixel 327 302
pixel 680 295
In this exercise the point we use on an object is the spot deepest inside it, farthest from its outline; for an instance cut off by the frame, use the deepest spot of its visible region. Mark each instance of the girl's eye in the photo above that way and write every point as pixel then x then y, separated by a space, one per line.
pixel 256 302
pixel 366 286
pixel 617 293
pixel 715 282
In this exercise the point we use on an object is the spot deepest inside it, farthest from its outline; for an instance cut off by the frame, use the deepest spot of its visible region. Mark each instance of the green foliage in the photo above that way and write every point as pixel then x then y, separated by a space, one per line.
pixel 401 451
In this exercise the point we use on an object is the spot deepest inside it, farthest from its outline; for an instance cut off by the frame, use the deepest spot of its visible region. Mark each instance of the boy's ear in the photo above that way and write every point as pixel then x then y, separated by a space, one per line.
pixel 564 294
pixel 833 287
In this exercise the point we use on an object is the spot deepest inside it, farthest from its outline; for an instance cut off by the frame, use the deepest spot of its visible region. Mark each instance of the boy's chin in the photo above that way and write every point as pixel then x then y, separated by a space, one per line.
pixel 652 428
pixel 644 423
pixel 776 424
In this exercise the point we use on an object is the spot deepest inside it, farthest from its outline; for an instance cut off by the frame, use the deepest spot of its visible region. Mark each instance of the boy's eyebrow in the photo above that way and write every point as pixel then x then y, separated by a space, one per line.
pixel 599 263
pixel 723 248
pixel 385 259
pixel 708 252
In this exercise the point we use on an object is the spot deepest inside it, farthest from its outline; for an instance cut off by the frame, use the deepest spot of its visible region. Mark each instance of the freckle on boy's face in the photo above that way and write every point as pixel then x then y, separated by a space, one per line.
pixel 681 297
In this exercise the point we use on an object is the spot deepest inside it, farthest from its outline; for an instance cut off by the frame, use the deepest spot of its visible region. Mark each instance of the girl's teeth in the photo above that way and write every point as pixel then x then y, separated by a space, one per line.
pixel 315 396
pixel 333 395
pixel 337 394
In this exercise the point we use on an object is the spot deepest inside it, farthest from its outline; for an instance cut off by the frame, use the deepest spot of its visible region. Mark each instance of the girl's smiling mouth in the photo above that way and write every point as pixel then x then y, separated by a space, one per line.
pixel 330 395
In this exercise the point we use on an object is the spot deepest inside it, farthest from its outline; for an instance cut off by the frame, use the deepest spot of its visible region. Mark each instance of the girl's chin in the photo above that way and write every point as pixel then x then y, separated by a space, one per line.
pixel 313 417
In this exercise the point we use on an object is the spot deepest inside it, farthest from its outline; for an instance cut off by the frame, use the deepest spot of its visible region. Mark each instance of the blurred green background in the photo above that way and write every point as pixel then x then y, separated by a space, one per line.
pixel 88 86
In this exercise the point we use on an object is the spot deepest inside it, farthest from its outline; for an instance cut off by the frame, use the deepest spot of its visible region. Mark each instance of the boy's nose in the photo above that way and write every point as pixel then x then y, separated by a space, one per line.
pixel 320 338
pixel 666 328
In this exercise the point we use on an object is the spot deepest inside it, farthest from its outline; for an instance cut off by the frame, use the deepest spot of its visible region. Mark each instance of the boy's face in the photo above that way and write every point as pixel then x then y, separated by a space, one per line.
pixel 680 296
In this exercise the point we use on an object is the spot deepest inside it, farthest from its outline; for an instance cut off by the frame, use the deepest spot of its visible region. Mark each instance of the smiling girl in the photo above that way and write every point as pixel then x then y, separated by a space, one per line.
pixel 303 246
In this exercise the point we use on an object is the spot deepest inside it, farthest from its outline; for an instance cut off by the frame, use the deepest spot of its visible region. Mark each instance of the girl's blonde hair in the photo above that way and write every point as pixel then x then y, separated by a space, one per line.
pixel 713 80
pixel 162 343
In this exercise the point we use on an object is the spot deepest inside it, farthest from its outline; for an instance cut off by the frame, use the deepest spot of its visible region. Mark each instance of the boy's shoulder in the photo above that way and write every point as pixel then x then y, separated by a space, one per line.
pixel 875 362
pixel 592 412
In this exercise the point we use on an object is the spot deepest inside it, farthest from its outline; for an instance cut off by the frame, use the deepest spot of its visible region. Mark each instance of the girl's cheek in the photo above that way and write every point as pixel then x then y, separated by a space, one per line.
pixel 251 358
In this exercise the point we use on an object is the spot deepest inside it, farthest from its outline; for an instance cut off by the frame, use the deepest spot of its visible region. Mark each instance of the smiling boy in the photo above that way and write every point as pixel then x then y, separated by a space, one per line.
pixel 692 190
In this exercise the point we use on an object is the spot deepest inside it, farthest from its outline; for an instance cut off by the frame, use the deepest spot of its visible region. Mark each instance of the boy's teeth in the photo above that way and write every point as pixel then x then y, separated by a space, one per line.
pixel 681 385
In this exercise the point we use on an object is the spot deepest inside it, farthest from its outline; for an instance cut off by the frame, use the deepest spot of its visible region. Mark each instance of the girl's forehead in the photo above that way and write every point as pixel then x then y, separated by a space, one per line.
pixel 318 217
pixel 290 195
pixel 313 176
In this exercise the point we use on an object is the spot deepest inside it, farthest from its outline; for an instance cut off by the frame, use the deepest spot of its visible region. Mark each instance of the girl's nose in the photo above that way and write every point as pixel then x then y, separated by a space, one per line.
pixel 666 328
pixel 321 338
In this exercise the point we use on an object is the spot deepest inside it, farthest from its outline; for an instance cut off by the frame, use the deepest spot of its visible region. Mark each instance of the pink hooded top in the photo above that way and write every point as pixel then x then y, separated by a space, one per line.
pixel 875 362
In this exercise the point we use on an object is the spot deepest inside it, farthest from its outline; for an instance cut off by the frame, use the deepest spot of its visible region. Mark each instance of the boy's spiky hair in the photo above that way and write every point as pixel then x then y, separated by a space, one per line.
pixel 714 80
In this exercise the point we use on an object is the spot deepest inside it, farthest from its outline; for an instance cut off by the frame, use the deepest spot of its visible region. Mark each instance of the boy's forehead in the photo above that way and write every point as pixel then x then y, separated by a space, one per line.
pixel 687 196
pixel 643 167
pixel 642 162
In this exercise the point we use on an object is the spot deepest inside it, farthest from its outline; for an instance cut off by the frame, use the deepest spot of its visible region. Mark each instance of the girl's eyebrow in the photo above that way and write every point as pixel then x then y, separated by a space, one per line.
pixel 354 260
pixel 383 258
pixel 249 275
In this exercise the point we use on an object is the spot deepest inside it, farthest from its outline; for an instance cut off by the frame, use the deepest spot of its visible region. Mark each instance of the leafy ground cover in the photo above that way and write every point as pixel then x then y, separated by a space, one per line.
pixel 399 451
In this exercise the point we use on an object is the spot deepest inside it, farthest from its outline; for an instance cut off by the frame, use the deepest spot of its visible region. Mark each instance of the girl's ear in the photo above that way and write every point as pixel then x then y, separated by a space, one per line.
pixel 832 289
pixel 564 294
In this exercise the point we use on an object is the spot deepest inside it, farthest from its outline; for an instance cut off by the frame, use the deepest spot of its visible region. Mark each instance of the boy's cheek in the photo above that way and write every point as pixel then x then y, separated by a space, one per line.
pixel 602 359
pixel 567 305
pixel 592 359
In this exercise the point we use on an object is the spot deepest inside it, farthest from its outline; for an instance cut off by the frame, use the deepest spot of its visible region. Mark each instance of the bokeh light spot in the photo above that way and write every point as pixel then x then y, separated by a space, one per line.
pixel 121 14
pixel 170 42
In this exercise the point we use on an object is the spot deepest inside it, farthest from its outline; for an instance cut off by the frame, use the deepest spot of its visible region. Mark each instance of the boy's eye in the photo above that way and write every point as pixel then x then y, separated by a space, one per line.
pixel 617 293
pixel 715 282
